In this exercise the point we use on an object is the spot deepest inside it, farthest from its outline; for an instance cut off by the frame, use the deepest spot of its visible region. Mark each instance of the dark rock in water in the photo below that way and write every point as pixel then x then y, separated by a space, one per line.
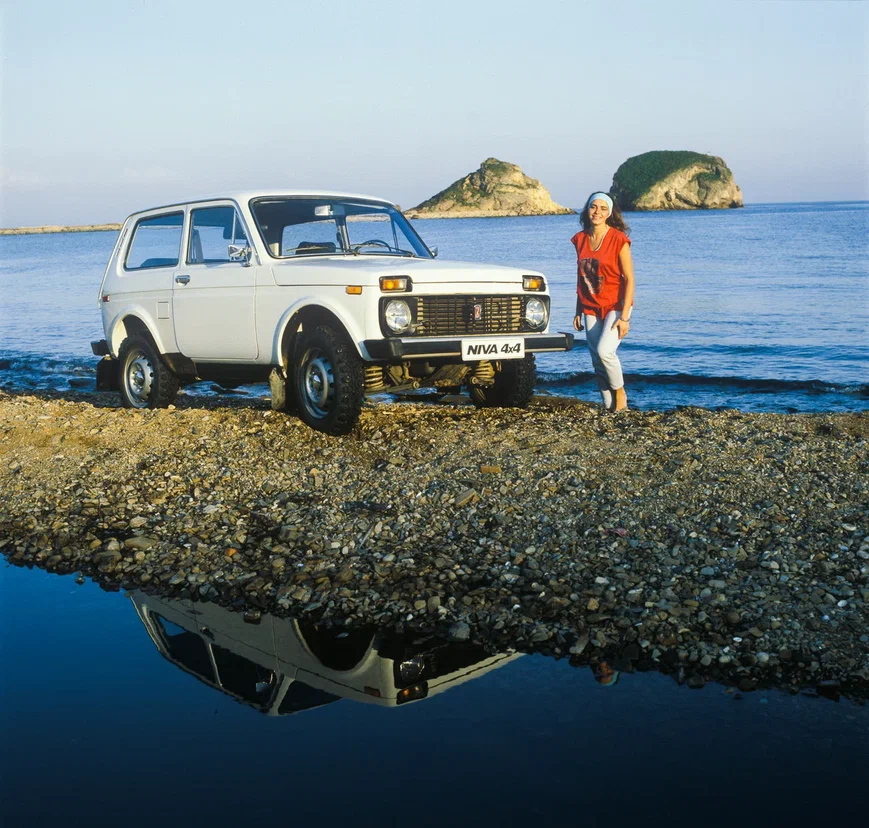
pixel 5 364
pixel 220 389
pixel 81 382
pixel 459 631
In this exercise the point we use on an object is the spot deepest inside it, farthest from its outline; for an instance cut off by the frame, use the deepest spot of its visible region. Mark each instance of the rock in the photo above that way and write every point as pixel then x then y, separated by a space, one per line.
pixel 140 542
pixel 459 631
pixel 485 469
pixel 433 604
pixel 466 497
pixel 497 188
pixel 138 522
pixel 666 180
pixel 106 558
pixel 580 645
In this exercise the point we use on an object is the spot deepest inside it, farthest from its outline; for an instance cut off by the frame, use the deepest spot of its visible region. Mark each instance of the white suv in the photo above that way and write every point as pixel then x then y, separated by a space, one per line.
pixel 326 296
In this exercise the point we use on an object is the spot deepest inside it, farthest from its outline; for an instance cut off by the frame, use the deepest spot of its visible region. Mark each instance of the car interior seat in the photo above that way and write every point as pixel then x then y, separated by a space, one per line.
pixel 196 256
pixel 305 247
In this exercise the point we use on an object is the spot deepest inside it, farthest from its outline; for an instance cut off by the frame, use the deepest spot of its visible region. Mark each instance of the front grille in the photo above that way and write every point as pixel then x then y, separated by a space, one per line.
pixel 456 315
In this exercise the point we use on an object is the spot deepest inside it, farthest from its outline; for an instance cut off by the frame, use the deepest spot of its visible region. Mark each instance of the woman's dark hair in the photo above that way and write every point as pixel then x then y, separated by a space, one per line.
pixel 615 218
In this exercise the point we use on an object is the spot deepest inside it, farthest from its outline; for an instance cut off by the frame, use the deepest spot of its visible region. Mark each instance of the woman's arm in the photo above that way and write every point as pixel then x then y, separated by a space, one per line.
pixel 577 319
pixel 627 266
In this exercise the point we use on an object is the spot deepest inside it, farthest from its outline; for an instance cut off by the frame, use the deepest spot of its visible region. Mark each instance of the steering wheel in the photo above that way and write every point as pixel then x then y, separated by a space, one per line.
pixel 374 241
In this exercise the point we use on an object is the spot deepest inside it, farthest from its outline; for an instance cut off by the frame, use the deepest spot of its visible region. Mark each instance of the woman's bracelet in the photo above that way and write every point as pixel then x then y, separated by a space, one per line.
pixel 625 320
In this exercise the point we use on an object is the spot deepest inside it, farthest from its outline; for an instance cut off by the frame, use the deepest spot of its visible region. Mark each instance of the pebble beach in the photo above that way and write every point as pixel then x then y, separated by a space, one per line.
pixel 714 545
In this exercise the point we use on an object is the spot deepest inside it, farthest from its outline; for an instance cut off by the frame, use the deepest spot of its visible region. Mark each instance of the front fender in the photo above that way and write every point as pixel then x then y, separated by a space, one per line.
pixel 353 327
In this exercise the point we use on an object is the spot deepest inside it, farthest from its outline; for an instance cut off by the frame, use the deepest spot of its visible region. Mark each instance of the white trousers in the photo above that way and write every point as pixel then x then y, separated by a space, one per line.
pixel 603 341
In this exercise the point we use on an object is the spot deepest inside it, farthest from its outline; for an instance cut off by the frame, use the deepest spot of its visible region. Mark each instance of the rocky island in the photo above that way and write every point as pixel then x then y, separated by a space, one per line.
pixel 664 180
pixel 497 188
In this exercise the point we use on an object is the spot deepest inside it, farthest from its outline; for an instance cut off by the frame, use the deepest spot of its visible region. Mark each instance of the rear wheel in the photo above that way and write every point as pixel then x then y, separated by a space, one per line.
pixel 145 381
pixel 328 381
pixel 513 386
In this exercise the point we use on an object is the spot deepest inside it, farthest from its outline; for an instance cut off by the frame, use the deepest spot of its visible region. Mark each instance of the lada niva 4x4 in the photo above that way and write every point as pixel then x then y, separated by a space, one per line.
pixel 327 297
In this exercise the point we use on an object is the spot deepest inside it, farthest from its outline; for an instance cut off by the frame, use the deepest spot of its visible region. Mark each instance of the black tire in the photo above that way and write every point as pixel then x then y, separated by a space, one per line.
pixel 328 381
pixel 513 388
pixel 144 380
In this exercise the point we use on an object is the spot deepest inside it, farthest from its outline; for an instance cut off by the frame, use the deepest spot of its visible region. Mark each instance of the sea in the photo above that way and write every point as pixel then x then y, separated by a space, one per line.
pixel 125 708
pixel 764 308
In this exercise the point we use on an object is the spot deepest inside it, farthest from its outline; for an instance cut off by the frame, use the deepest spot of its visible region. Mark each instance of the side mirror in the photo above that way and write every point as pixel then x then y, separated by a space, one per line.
pixel 239 253
pixel 434 251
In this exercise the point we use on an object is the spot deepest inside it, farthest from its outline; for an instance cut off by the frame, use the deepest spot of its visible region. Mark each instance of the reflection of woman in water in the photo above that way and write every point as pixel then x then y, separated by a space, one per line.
pixel 604 292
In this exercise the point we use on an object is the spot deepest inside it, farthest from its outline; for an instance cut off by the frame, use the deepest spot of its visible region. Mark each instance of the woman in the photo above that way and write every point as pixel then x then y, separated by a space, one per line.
pixel 604 292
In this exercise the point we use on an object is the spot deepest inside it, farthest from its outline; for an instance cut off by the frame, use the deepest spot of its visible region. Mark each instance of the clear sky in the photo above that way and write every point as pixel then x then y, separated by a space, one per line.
pixel 110 106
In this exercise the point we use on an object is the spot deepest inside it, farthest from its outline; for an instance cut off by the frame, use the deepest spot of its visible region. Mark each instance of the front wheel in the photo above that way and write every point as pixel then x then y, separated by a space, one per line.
pixel 145 381
pixel 329 382
pixel 513 386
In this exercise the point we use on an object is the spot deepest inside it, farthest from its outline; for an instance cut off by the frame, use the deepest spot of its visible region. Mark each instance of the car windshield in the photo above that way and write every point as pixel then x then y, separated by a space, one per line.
pixel 293 227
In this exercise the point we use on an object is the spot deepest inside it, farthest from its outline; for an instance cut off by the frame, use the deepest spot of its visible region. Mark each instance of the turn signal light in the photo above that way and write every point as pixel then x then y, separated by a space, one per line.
pixel 533 283
pixel 391 284
pixel 354 290
pixel 418 691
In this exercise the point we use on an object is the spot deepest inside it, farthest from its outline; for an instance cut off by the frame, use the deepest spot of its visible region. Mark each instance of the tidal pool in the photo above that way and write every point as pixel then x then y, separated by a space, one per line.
pixel 136 710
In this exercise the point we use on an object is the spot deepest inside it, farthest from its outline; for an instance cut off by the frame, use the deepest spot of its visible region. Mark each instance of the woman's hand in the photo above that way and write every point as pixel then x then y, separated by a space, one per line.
pixel 577 323
pixel 623 326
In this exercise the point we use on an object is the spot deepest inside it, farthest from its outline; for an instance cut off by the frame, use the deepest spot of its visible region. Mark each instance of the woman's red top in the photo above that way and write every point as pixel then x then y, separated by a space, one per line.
pixel 598 273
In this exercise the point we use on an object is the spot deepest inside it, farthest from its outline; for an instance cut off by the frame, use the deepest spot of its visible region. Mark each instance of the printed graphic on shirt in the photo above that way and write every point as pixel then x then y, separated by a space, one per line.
pixel 591 277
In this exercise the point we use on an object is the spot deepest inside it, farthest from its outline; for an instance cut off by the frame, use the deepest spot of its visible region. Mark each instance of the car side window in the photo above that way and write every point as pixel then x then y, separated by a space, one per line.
pixel 156 242
pixel 212 230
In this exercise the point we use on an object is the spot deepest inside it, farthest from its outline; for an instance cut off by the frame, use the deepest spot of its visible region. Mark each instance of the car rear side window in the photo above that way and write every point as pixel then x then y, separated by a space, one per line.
pixel 156 242
pixel 212 230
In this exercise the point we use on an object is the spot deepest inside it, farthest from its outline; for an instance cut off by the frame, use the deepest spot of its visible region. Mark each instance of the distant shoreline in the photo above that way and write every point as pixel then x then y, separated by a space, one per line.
pixel 57 228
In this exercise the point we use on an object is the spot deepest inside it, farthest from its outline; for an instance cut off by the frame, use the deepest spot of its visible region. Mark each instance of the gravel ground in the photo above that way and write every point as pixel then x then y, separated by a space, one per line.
pixel 713 545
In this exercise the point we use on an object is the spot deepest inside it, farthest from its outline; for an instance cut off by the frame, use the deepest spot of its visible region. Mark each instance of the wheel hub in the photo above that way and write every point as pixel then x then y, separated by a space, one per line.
pixel 139 377
pixel 318 384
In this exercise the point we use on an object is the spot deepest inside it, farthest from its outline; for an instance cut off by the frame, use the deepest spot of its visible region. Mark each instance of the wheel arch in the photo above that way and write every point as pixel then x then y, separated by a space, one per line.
pixel 128 324
pixel 311 315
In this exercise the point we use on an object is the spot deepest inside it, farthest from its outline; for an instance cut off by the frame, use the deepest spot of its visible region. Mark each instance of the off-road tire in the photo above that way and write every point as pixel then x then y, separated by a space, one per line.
pixel 144 380
pixel 513 388
pixel 328 381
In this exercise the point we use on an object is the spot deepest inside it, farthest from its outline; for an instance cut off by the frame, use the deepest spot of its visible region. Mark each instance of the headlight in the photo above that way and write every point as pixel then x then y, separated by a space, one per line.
pixel 397 315
pixel 535 313
pixel 410 670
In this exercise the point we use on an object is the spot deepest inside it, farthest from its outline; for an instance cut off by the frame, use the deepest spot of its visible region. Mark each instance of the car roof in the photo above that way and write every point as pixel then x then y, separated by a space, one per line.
pixel 244 196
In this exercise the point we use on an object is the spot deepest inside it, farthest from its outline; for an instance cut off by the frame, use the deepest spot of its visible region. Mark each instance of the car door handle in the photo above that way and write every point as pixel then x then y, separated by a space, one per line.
pixel 182 280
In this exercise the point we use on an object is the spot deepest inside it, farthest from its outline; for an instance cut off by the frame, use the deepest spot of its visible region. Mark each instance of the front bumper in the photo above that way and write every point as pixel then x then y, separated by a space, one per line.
pixel 397 349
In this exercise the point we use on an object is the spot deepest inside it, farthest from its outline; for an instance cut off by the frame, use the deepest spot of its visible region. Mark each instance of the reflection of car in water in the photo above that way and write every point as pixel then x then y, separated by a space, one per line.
pixel 282 666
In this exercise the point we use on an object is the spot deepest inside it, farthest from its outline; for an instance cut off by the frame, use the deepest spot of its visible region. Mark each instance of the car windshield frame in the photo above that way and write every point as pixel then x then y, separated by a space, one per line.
pixel 270 214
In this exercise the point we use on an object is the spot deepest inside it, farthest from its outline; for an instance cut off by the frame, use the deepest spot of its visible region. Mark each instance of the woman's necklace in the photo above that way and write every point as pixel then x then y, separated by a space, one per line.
pixel 596 243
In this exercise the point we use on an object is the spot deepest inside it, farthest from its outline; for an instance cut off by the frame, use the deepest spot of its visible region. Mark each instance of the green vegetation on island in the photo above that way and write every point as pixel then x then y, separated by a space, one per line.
pixel 675 180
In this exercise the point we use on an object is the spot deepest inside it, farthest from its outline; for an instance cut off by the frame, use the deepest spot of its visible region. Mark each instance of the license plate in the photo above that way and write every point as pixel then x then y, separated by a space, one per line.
pixel 493 348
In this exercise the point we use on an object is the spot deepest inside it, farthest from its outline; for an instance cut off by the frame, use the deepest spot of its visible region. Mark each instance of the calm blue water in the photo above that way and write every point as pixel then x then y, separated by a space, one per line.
pixel 97 727
pixel 765 308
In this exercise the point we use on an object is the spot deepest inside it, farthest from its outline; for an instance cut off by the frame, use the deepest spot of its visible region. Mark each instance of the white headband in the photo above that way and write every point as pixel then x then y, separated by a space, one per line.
pixel 602 197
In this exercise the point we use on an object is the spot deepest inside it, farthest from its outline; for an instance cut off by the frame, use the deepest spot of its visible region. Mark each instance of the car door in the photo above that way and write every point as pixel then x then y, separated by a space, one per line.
pixel 213 296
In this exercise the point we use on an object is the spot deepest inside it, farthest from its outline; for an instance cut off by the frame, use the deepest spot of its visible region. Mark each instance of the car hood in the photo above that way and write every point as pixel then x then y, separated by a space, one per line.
pixel 367 270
